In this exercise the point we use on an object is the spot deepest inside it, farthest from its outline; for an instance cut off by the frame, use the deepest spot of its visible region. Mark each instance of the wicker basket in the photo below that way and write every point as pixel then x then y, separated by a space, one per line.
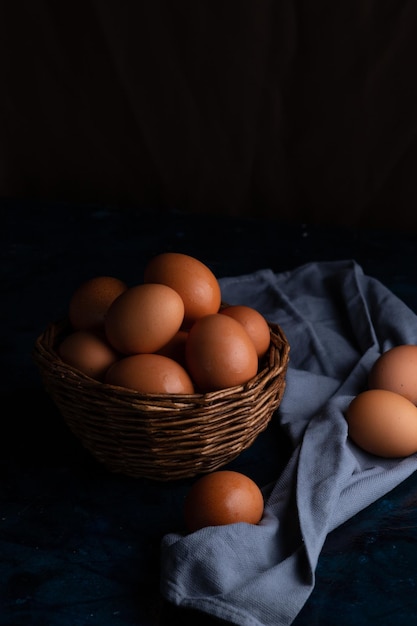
pixel 162 437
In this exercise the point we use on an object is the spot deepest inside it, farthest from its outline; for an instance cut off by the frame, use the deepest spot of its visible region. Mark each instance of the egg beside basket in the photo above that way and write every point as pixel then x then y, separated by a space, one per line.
pixel 162 437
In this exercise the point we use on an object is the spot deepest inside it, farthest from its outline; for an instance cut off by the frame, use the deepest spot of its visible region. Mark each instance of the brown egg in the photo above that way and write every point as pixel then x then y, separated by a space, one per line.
pixel 144 318
pixel 383 423
pixel 91 300
pixel 396 370
pixel 175 348
pixel 222 497
pixel 254 323
pixel 88 352
pixel 192 279
pixel 219 353
pixel 150 373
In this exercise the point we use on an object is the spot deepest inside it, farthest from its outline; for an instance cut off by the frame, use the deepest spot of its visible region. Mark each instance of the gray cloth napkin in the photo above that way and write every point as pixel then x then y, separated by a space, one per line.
pixel 337 321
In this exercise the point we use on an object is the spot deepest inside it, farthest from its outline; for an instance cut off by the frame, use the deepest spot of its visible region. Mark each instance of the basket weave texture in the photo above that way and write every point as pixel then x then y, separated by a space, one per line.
pixel 162 437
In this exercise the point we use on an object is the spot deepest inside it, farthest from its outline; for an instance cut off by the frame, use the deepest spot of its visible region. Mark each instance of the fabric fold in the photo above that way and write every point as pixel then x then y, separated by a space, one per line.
pixel 337 321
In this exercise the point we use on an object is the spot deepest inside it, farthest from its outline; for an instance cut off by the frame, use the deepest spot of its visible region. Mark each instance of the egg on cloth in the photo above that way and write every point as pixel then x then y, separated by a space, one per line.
pixel 396 370
pixel 383 423
pixel 222 497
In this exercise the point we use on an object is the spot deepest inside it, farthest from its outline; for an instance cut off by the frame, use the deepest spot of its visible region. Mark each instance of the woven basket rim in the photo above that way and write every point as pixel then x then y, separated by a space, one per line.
pixel 162 436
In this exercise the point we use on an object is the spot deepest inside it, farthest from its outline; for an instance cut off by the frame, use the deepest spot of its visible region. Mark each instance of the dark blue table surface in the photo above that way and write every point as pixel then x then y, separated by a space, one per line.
pixel 79 545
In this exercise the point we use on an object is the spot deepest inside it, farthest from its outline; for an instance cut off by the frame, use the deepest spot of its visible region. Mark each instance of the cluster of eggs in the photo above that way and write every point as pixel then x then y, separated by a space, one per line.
pixel 383 419
pixel 172 334
pixel 168 334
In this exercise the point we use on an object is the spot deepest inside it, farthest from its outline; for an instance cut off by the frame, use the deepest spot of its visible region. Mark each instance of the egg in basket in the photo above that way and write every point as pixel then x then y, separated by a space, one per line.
pixel 162 380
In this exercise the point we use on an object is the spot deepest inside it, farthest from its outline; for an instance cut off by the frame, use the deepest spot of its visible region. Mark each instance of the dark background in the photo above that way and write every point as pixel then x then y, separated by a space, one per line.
pixel 305 111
